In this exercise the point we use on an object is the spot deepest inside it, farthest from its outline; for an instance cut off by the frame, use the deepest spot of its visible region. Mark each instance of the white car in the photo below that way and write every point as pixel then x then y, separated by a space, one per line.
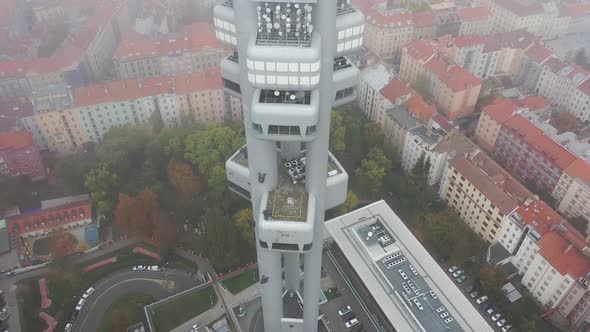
pixel 457 273
pixel 351 323
pixel 473 295
pixel 88 292
pixel 501 322
pixel 153 268
pixel 506 328
pixel 3 311
pixel 344 310
pixel 481 299
pixel 139 268
pixel 496 317
pixel 453 268
pixel 490 311
pixel 68 327
pixel 80 304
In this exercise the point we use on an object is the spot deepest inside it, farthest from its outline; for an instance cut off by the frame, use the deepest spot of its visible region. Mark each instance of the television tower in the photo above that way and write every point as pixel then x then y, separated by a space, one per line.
pixel 289 69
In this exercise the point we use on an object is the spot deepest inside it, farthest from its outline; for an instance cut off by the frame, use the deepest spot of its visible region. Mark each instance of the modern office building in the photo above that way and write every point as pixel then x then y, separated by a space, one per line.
pixel 290 71
pixel 413 293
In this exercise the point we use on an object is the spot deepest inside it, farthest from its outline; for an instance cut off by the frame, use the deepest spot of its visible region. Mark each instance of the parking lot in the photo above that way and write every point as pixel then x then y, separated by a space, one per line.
pixel 465 286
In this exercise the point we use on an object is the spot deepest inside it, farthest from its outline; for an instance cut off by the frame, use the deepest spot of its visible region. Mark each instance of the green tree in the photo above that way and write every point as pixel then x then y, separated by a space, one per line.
pixel 580 223
pixel 71 170
pixel 244 222
pixel 490 280
pixel 103 186
pixel 221 243
pixel 172 142
pixel 123 149
pixel 212 143
pixel 216 183
pixel 349 204
pixel 374 135
pixel 337 134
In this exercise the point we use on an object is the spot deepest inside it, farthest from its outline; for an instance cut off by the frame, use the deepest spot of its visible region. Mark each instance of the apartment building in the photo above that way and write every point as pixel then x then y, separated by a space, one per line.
pixel 20 156
pixel 395 92
pixel 13 83
pixel 420 142
pixel 194 49
pixel 532 65
pixel 372 80
pixel 387 33
pixel 482 193
pixel 528 153
pixel 572 192
pixel 512 45
pixel 397 122
pixel 565 86
pixel 575 305
pixel 414 57
pixel 474 53
pixel 511 15
pixel 424 25
pixel 491 120
pixel 475 20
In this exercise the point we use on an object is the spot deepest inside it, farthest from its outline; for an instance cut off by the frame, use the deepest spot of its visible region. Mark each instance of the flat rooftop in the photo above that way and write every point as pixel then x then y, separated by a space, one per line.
pixel 411 288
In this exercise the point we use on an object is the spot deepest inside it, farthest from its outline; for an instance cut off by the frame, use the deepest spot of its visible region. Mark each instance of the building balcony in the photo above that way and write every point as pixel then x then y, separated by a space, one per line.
pixel 285 115
pixel 345 74
pixel 350 26
pixel 231 87
pixel 238 176
pixel 224 21
pixel 289 67
pixel 345 96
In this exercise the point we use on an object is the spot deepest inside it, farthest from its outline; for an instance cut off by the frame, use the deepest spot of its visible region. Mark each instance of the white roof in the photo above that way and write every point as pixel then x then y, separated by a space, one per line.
pixel 345 232
pixel 377 76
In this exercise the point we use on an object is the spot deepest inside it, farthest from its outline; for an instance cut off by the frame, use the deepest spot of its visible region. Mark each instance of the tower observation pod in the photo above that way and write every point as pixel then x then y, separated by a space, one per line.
pixel 289 67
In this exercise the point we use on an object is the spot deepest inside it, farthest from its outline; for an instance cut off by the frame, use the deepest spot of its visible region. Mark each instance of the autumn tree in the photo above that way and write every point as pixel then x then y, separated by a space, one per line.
pixel 183 180
pixel 139 214
pixel 580 223
pixel 63 244
pixel 564 122
pixel 244 222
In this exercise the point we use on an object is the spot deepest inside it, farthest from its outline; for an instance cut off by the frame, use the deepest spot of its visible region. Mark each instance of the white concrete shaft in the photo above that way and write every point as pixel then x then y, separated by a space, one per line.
pixel 292 271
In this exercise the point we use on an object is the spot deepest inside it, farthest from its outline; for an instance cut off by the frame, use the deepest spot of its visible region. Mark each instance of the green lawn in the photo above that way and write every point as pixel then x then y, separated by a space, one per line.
pixel 331 293
pixel 241 281
pixel 125 311
pixel 171 314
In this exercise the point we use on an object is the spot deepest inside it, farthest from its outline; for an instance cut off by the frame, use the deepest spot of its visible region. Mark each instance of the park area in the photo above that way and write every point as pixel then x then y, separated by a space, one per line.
pixel 241 281
pixel 124 312
pixel 170 314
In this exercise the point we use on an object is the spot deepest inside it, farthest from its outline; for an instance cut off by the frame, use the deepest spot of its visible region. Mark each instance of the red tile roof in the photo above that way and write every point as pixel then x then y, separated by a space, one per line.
pixel 574 9
pixel 521 7
pixel 536 138
pixel 420 50
pixel 133 89
pixel 423 19
pixel 420 108
pixel 559 251
pixel 395 89
pixel 474 13
pixel 386 20
pixel 501 110
pixel 202 35
pixel 456 78
pixel 533 103
pixel 13 110
pixel 468 40
pixel 585 87
pixel 442 122
pixel 554 64
pixel 14 140
pixel 579 169
pixel 135 45
pixel 538 214
pixel 538 53
pixel 39 220
pixel 12 68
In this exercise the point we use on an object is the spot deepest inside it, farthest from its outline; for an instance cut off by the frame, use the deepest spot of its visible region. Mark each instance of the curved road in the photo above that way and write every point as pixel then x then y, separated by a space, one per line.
pixel 159 285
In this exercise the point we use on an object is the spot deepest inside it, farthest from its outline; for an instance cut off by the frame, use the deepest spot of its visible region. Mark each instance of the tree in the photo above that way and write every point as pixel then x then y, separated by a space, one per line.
pixel 490 280
pixel 564 122
pixel 244 222
pixel 221 240
pixel 103 186
pixel 72 169
pixel 123 149
pixel 216 183
pixel 63 244
pixel 183 180
pixel 581 59
pixel 580 223
pixel 212 143
pixel 337 134
pixel 172 142
pixel 349 204
pixel 156 122
pixel 373 170
pixel 140 214
pixel 374 135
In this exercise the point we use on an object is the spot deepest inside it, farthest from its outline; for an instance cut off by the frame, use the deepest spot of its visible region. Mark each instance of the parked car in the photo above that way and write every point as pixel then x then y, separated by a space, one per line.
pixel 453 268
pixel 481 299
pixel 490 311
pixel 80 304
pixel 501 322
pixel 473 295
pixel 460 279
pixel 470 289
pixel 457 273
pixel 496 317
pixel 153 268
pixel 506 328
pixel 68 327
pixel 351 323
pixel 344 310
pixel 139 268
pixel 88 292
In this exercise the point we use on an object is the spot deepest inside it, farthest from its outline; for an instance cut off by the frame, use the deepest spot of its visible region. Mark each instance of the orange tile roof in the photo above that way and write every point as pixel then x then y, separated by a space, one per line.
pixel 456 78
pixel 135 45
pixel 556 247
pixel 423 18
pixel 585 87
pixel 13 140
pixel 202 35
pixel 12 68
pixel 474 13
pixel 538 53
pixel 395 89
pixel 539 215
pixel 386 20
pixel 468 40
pixel 533 103
pixel 536 138
pixel 580 169
pixel 133 89
pixel 501 109
pixel 420 50
pixel 420 108
pixel 55 216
